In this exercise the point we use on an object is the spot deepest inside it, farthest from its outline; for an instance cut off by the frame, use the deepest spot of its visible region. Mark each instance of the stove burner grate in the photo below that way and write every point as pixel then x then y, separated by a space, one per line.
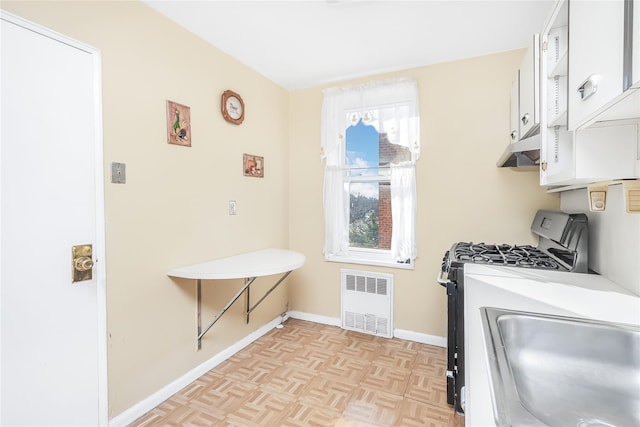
pixel 517 256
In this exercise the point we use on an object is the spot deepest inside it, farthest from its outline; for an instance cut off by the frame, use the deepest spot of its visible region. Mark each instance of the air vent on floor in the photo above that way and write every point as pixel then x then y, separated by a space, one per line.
pixel 367 302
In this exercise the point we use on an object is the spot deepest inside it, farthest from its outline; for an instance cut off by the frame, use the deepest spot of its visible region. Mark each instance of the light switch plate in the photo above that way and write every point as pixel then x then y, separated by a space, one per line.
pixel 118 173
pixel 232 207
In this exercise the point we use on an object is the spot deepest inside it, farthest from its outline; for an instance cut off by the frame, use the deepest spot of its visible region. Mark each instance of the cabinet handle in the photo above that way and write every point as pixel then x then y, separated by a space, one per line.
pixel 588 87
pixel 543 166
pixel 513 135
pixel 525 119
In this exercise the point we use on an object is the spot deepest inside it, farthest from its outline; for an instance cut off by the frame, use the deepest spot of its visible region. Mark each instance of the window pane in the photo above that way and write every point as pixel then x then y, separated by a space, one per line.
pixel 370 215
pixel 362 149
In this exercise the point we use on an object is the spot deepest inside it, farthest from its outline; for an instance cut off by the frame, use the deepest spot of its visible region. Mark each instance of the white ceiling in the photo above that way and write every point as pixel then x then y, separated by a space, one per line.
pixel 307 43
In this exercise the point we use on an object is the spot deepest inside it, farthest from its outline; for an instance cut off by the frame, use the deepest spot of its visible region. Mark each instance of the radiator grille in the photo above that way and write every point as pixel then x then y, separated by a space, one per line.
pixel 367 302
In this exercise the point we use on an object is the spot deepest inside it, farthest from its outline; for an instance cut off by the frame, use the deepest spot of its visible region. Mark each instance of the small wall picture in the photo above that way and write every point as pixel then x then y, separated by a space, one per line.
pixel 253 165
pixel 178 124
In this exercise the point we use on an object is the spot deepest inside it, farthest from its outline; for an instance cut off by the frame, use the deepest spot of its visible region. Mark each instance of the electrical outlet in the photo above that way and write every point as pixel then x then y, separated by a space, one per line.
pixel 598 197
pixel 232 207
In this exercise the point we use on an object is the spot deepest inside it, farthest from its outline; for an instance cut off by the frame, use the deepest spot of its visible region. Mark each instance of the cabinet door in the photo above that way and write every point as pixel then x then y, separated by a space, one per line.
pixel 558 152
pixel 596 47
pixel 529 96
pixel 636 44
pixel 515 110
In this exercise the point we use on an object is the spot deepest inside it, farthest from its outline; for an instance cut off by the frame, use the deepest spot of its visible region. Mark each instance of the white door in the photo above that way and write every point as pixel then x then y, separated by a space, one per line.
pixel 53 330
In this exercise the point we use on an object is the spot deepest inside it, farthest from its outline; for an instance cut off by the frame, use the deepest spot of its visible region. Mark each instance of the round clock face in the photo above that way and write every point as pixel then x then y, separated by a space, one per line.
pixel 232 107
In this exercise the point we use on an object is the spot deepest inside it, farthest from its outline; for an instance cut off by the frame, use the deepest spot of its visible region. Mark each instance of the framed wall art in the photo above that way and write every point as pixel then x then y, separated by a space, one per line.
pixel 178 124
pixel 253 165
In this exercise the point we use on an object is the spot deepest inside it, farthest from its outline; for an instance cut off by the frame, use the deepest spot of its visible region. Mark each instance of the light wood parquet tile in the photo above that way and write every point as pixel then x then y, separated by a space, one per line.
pixel 289 380
pixel 374 407
pixel 303 414
pixel 428 389
pixel 395 357
pixel 328 391
pixel 276 351
pixel 248 368
pixel 360 350
pixel 308 374
pixel 223 396
pixel 421 414
pixel 263 408
pixel 430 365
pixel 386 378
pixel 314 359
pixel 346 368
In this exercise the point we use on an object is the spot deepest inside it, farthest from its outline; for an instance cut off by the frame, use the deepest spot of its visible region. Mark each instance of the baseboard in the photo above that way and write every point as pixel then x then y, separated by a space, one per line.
pixel 146 405
pixel 420 337
pixel 397 333
pixel 316 318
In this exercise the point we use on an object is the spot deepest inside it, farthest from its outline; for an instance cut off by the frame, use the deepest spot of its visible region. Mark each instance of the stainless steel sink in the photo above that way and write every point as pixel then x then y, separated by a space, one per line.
pixel 561 371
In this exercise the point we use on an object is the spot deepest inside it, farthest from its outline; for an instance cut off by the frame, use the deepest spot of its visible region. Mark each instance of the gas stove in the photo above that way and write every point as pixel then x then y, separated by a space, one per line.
pixel 563 243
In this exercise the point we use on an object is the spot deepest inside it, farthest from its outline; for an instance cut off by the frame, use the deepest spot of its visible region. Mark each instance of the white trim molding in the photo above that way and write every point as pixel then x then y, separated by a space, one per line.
pixel 316 318
pixel 397 333
pixel 420 337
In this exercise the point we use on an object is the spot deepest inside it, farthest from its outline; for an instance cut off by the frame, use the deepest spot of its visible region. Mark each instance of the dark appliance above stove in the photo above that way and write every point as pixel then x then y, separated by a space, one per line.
pixel 563 245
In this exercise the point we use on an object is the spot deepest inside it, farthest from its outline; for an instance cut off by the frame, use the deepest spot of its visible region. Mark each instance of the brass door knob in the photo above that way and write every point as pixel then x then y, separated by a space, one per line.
pixel 83 263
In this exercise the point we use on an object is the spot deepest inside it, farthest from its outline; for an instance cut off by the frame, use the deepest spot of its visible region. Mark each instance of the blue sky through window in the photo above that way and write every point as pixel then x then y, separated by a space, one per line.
pixel 362 147
pixel 362 152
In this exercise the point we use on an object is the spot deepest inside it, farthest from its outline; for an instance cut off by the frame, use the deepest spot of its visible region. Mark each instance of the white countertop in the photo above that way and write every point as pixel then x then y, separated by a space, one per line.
pixel 264 262
pixel 569 294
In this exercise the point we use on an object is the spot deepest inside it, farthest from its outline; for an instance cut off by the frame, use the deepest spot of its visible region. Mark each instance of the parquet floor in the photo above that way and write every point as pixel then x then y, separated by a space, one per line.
pixel 307 374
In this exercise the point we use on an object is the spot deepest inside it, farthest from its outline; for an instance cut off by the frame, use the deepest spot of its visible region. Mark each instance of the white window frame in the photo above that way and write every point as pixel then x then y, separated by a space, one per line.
pixel 338 105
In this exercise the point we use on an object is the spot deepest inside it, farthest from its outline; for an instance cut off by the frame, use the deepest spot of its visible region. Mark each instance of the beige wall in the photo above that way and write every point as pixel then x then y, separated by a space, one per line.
pixel 173 209
pixel 462 195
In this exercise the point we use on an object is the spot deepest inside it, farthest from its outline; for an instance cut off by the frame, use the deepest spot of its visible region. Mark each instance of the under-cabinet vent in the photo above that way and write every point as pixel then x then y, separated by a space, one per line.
pixel 632 196
pixel 367 302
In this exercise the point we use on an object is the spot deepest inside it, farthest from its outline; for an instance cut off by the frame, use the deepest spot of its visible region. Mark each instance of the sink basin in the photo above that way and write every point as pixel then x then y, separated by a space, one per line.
pixel 561 371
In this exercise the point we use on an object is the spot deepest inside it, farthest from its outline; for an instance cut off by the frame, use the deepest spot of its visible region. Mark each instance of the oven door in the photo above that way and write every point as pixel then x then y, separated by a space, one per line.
pixel 451 330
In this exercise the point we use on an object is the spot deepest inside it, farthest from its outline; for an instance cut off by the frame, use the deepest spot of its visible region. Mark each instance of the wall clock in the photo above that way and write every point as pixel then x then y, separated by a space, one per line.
pixel 232 107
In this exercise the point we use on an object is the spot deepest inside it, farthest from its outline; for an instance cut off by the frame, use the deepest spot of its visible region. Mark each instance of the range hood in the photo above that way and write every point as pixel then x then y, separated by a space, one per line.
pixel 525 152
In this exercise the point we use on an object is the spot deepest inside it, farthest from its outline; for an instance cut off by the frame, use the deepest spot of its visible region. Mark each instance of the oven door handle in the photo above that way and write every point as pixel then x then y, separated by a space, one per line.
pixel 441 279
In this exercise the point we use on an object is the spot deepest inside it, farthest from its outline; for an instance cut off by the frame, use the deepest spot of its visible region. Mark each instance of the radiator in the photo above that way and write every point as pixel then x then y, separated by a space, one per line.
pixel 367 302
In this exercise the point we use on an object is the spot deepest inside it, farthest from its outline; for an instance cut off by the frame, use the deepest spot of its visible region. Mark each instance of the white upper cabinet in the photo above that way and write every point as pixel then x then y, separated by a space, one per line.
pixel 601 55
pixel 635 40
pixel 570 153
pixel 529 104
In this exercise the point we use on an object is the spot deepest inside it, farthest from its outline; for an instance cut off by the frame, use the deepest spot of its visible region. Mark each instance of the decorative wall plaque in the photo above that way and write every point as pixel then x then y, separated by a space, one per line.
pixel 178 124
pixel 253 165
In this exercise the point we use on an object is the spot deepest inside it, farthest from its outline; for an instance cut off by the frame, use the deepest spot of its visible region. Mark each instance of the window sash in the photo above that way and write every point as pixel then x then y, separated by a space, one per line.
pixel 338 102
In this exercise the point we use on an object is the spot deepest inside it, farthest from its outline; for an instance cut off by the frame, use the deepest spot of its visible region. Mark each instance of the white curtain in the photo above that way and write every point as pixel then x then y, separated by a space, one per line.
pixel 403 208
pixel 395 103
pixel 336 217
pixel 391 106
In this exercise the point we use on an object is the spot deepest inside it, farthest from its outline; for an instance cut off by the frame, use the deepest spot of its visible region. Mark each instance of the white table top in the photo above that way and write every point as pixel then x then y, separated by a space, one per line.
pixel 264 262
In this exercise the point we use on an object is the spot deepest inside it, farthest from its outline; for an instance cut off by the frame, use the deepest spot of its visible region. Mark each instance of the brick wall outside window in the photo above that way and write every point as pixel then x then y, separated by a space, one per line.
pixel 388 153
